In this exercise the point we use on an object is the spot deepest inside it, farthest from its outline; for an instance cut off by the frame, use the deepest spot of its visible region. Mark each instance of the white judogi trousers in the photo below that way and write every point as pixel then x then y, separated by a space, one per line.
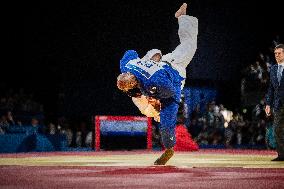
pixel 184 52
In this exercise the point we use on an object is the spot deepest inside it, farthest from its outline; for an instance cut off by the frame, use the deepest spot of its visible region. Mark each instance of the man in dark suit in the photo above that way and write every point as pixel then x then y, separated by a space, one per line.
pixel 275 100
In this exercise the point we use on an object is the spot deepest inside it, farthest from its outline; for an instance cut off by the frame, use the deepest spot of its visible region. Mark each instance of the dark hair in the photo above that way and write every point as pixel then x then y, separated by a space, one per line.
pixel 135 92
pixel 279 46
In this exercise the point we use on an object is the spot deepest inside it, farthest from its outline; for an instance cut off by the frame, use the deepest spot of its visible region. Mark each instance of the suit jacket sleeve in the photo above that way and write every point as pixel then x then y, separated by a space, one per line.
pixel 270 93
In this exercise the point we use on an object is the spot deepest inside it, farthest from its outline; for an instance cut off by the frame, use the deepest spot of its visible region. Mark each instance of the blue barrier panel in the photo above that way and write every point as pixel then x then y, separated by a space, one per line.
pixel 43 144
pixel 59 141
pixel 16 143
pixel 19 142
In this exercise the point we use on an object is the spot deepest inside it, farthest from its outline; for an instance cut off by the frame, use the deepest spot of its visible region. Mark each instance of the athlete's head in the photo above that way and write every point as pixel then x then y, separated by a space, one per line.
pixel 279 53
pixel 128 83
pixel 157 57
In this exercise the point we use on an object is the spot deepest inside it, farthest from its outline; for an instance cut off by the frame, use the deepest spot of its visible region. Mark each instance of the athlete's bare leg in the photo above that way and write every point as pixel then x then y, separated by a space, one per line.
pixel 181 11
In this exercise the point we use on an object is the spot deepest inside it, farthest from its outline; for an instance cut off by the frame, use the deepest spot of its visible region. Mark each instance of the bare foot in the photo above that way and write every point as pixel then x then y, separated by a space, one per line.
pixel 165 157
pixel 181 11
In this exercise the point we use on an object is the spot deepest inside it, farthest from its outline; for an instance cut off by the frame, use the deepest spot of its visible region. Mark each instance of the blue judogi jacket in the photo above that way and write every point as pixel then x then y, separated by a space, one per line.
pixel 157 79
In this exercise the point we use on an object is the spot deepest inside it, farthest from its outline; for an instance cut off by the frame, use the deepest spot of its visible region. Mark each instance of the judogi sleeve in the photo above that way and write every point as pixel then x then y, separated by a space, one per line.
pixel 128 55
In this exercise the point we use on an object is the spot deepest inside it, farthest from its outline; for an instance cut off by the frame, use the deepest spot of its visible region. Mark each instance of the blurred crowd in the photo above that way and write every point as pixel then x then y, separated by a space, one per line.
pixel 219 126
pixel 20 111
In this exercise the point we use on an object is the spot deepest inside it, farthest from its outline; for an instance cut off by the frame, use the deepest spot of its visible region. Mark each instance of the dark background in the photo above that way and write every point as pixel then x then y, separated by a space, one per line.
pixel 73 48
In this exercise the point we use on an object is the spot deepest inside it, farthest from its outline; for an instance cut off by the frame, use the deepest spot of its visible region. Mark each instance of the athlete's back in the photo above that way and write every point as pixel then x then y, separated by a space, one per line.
pixel 157 79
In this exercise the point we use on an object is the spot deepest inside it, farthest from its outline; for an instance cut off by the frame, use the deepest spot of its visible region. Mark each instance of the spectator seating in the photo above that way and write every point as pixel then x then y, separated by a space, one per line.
pixel 27 139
